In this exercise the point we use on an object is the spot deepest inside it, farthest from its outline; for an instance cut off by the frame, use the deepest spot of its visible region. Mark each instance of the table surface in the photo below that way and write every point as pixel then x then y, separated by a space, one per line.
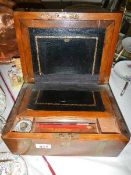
pixel 120 165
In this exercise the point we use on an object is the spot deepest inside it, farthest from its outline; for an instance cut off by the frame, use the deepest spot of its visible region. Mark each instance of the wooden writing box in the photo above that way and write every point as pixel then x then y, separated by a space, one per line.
pixel 66 106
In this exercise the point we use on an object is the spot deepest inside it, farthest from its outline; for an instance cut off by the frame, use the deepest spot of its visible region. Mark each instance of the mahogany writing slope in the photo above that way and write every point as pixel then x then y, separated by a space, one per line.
pixel 66 106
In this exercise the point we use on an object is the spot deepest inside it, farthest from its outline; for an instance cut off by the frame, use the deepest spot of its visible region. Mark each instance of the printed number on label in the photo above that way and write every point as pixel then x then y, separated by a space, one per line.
pixel 43 146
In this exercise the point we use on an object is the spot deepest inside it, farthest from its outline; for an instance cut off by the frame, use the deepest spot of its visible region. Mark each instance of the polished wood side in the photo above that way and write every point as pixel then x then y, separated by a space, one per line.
pixel 66 146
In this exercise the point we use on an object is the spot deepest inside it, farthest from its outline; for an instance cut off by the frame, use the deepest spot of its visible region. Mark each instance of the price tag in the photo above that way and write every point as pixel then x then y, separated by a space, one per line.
pixel 43 146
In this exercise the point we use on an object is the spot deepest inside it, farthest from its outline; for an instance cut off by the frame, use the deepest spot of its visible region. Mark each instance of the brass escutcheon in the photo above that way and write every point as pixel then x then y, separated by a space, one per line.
pixel 62 15
pixel 66 136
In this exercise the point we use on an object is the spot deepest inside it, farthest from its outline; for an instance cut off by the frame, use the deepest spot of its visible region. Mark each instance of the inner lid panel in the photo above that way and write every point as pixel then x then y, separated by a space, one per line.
pixel 69 52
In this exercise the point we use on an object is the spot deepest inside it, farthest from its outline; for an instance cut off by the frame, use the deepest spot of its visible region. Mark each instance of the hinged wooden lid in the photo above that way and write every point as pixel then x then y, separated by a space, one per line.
pixel 43 35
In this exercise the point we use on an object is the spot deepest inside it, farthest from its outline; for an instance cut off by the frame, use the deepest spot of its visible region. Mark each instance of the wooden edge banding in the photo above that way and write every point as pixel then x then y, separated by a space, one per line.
pixel 14 113
pixel 17 135
pixel 113 45
pixel 25 42
pixel 103 77
pixel 20 47
pixel 120 120
pixel 67 15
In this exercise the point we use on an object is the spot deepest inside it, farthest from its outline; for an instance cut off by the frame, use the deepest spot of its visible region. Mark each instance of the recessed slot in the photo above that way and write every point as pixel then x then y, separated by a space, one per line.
pixel 83 127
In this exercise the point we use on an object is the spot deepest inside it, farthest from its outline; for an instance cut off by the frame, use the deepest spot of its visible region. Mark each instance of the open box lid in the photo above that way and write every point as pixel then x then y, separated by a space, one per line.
pixel 67 46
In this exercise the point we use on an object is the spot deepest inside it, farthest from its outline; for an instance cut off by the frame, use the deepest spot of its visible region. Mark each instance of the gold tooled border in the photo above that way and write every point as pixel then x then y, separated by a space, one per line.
pixel 65 37
pixel 60 104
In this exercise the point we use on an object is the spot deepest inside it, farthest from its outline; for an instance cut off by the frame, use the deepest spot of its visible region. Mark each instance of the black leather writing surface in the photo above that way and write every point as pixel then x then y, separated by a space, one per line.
pixel 66 100
pixel 66 56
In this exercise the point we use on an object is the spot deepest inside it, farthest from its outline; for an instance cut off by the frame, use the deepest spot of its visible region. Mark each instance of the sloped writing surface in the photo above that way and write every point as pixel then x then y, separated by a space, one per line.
pixel 66 100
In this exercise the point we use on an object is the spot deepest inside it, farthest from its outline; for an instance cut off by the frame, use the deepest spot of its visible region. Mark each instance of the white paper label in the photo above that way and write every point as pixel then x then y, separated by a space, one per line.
pixel 43 146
